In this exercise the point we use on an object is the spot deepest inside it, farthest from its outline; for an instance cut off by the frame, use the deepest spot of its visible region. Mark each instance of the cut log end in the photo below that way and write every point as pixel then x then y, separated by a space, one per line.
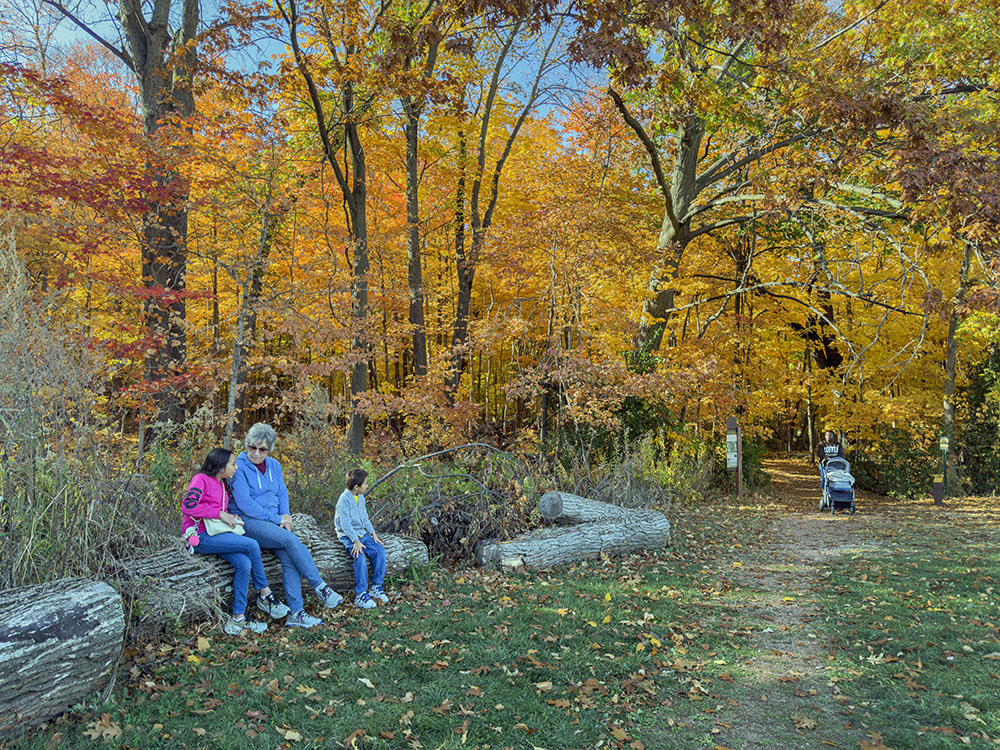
pixel 59 642
pixel 550 505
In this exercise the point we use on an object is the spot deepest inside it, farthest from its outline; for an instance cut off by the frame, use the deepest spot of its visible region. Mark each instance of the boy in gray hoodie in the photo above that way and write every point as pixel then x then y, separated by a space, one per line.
pixel 356 533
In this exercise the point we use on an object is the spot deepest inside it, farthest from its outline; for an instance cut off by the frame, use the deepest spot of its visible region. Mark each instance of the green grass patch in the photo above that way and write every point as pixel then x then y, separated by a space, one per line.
pixel 916 629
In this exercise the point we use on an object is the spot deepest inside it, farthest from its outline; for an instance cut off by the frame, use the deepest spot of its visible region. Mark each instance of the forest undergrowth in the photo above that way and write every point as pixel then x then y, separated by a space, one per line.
pixel 877 630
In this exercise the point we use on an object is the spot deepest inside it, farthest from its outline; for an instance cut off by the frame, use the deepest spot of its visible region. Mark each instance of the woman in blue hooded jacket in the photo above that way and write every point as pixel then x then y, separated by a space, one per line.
pixel 260 498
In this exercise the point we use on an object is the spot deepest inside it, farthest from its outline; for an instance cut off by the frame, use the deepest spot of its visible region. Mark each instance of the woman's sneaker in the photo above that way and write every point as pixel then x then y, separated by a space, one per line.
pixel 272 606
pixel 236 627
pixel 302 620
pixel 363 600
pixel 377 592
pixel 330 597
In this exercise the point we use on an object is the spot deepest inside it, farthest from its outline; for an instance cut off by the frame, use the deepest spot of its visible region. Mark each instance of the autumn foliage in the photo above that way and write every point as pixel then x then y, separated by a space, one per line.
pixel 425 223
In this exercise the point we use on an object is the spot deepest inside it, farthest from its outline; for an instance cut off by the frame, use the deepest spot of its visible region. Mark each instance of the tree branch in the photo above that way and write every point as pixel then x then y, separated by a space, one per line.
pixel 653 153
pixel 117 52
pixel 716 173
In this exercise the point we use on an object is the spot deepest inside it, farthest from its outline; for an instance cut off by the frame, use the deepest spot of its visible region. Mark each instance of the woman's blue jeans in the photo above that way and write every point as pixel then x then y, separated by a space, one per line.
pixel 374 552
pixel 244 555
pixel 296 561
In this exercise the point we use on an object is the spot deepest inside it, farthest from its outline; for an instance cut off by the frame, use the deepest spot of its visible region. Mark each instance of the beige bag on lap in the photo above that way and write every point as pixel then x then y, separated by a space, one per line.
pixel 214 526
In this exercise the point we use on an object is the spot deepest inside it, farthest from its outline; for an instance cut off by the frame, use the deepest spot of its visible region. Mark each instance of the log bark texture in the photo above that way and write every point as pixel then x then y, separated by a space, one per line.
pixel 173 586
pixel 562 545
pixel 566 509
pixel 59 642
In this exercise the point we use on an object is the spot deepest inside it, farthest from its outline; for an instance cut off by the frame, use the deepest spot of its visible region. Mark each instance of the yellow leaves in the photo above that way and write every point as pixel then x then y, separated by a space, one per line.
pixel 203 643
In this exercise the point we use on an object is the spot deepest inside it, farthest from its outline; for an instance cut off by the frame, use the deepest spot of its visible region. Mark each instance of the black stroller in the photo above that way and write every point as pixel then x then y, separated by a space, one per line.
pixel 837 485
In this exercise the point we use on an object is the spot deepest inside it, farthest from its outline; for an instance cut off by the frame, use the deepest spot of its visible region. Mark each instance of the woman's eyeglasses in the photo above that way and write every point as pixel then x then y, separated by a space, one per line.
pixel 258 448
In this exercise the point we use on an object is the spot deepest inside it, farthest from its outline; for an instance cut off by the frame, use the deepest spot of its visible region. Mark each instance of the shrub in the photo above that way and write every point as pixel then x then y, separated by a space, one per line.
pixel 896 462
pixel 979 441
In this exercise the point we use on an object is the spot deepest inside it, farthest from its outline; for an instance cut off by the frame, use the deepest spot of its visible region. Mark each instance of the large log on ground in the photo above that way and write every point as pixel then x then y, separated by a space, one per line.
pixel 563 545
pixel 172 586
pixel 567 509
pixel 58 642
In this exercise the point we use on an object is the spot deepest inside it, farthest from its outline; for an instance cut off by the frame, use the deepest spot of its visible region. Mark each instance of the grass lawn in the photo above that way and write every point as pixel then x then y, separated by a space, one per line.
pixel 648 651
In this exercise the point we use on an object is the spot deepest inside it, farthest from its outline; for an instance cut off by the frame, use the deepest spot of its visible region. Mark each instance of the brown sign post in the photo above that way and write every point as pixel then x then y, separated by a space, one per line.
pixel 734 452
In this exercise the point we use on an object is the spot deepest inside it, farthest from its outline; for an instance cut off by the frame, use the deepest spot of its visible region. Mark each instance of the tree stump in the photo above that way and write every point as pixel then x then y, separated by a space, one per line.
pixel 585 529
pixel 174 587
pixel 58 643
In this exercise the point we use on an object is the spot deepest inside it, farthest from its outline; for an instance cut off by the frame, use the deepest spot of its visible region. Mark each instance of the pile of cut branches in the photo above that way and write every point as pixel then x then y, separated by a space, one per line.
pixel 454 498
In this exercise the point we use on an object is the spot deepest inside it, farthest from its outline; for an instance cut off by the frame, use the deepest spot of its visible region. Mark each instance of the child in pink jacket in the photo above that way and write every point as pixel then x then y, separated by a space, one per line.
pixel 207 497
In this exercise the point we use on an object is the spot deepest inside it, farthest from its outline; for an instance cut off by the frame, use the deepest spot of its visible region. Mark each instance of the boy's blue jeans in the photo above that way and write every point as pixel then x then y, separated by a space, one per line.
pixel 374 552
pixel 244 555
pixel 296 561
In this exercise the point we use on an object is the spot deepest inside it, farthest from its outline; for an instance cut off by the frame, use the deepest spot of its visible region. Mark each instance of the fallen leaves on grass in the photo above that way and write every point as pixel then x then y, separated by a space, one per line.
pixel 804 722
pixel 103 729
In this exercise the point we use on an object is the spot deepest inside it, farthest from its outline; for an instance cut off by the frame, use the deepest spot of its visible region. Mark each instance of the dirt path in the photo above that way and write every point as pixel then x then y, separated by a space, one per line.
pixel 787 699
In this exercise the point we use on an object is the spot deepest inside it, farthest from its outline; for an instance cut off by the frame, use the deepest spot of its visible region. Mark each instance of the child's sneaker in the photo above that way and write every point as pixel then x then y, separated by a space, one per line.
pixel 330 597
pixel 236 627
pixel 377 592
pixel 272 606
pixel 363 600
pixel 302 620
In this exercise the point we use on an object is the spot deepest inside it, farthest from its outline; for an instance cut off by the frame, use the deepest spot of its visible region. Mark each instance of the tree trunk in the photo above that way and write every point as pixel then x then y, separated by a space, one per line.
pixel 173 586
pixel 565 509
pixel 466 271
pixel 163 61
pixel 246 326
pixel 545 548
pixel 455 376
pixel 414 270
pixel 951 352
pixel 58 643
pixel 673 239
pixel 359 281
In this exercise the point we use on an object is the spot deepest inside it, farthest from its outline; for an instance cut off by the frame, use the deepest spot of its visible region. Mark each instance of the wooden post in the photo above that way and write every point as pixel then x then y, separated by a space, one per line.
pixel 734 452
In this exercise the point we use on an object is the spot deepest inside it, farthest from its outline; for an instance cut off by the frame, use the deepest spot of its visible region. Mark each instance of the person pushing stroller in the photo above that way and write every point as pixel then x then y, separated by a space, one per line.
pixel 835 480
pixel 829 448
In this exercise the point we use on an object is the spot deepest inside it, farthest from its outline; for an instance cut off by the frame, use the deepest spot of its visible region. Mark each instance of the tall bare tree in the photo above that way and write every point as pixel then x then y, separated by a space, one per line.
pixel 158 43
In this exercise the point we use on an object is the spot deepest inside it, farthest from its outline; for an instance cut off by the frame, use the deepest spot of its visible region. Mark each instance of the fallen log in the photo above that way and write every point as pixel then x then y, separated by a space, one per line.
pixel 566 509
pixel 174 587
pixel 563 545
pixel 58 643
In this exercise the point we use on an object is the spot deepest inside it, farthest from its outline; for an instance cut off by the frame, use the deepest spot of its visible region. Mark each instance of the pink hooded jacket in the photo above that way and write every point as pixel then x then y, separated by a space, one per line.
pixel 206 497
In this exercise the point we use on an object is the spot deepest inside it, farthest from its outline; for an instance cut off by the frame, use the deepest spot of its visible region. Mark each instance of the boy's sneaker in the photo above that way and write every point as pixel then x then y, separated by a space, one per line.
pixel 236 627
pixel 272 606
pixel 363 600
pixel 330 597
pixel 377 592
pixel 302 620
